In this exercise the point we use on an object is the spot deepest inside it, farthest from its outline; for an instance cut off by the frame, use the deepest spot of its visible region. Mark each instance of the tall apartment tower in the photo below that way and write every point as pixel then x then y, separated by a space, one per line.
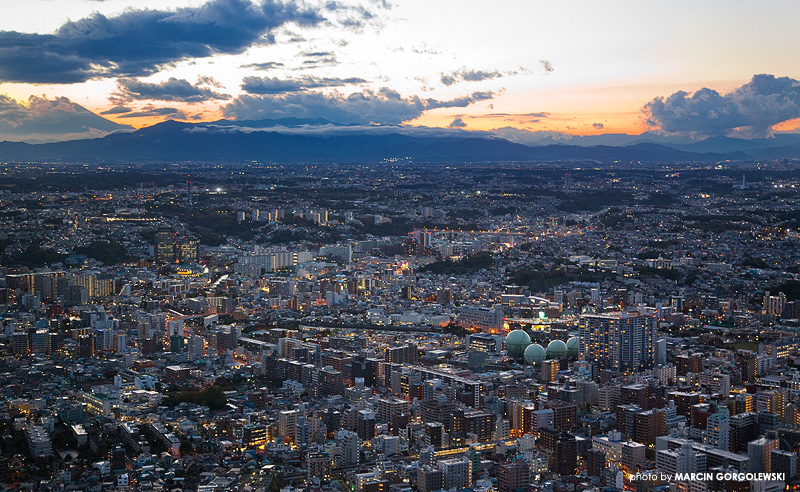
pixel 165 245
pixel 619 341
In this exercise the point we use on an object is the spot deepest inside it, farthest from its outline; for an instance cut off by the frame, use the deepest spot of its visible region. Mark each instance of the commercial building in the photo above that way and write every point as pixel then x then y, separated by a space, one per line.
pixel 481 318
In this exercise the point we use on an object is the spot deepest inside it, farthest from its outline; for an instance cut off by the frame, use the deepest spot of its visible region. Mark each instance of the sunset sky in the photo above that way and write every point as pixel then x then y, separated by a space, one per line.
pixel 578 67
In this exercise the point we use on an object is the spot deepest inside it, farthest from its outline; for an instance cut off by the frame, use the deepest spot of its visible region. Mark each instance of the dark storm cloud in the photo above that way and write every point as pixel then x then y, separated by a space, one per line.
pixel 51 118
pixel 383 106
pixel 749 111
pixel 11 109
pixel 173 112
pixel 170 90
pixel 274 85
pixel 139 42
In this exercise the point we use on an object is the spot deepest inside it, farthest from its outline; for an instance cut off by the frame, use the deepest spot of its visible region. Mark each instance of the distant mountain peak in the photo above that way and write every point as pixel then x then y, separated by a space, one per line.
pixel 319 140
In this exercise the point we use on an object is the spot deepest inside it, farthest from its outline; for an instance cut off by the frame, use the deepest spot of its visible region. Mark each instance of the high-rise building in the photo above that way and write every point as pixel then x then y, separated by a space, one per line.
pixel 350 446
pixel 196 346
pixel 171 248
pixel 429 479
pixel 117 458
pixel 626 419
pixel 254 435
pixel 619 341
pixel 680 459
pixel 481 342
pixel 387 408
pixel 685 364
pixel 341 252
pixel 779 350
pixel 405 354
pixel 457 473
pixel 685 400
pixel 564 414
pixel 76 295
pixel 514 476
pixel 649 425
pixel 287 422
pixel 482 318
pixel 595 463
pixel 176 343
pixel 774 304
pixel 760 454
pixel 86 346
pixel 39 441
pixel 610 445
pixel 633 455
pixel 636 394
pixel 366 424
pixel 784 462
pixel 318 465
pixel 549 370
pixel 223 339
pixel 434 434
pixel 771 401
pixel 165 245
pixel 566 455
pixel 660 352
pixel 20 343
pixel 121 343
pixel 478 422
pixel 330 381
pixel 187 249
pixel 717 432
pixel 45 286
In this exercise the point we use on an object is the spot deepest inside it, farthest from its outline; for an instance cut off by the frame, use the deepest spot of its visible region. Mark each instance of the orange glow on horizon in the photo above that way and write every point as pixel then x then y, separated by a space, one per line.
pixel 630 123
pixel 578 124
pixel 597 122
pixel 787 125
pixel 195 113
pixel 586 124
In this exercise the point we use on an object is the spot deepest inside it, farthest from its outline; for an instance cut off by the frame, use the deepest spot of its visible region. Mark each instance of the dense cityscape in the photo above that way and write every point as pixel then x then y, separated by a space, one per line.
pixel 400 327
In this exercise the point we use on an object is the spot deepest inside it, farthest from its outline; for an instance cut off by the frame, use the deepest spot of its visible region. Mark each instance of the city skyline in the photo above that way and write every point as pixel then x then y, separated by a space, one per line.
pixel 395 246
pixel 581 69
pixel 400 327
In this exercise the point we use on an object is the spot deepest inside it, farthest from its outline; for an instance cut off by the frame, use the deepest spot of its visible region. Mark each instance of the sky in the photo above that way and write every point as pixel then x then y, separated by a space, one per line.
pixel 78 68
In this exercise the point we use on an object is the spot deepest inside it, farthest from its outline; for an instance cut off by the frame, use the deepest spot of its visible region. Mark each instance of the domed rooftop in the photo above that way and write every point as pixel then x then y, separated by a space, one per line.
pixel 556 349
pixel 516 342
pixel 573 346
pixel 534 354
